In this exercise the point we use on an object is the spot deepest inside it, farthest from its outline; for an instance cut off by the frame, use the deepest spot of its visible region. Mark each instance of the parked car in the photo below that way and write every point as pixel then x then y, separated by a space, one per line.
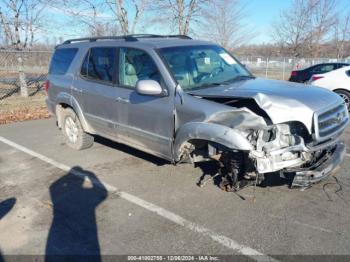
pixel 303 75
pixel 337 81
pixel 187 100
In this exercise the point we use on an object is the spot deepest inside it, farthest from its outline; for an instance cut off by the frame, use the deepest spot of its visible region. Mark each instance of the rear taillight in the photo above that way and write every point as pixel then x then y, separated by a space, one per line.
pixel 47 86
pixel 294 73
pixel 314 78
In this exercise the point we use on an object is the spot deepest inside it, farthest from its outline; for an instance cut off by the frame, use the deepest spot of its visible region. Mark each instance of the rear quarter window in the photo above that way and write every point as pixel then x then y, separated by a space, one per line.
pixel 61 60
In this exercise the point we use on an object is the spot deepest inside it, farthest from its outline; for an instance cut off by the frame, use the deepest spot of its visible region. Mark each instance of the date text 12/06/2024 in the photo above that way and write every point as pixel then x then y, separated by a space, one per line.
pixel 174 258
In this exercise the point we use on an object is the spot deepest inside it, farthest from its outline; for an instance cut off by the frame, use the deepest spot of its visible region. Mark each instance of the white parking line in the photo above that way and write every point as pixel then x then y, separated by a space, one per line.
pixel 223 240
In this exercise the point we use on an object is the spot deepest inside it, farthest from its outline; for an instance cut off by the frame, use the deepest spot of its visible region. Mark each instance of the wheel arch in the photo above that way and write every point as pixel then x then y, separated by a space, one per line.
pixel 210 132
pixel 341 89
pixel 65 100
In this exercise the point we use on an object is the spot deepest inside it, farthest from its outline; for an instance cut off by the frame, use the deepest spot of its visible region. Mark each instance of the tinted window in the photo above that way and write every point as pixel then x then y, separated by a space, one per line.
pixel 99 64
pixel 323 68
pixel 61 60
pixel 136 65
pixel 342 65
pixel 326 68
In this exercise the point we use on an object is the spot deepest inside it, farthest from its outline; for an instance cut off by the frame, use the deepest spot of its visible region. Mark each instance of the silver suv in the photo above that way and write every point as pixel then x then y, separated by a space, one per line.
pixel 187 100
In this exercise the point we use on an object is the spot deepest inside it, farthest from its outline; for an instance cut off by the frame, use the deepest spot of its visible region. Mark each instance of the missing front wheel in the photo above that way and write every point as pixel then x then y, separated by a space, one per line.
pixel 237 171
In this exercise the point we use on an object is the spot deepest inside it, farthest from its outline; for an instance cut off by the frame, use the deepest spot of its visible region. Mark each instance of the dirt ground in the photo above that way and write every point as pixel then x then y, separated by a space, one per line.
pixel 17 108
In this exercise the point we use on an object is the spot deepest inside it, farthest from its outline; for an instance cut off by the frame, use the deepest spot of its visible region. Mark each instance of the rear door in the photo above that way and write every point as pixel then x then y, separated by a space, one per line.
pixel 96 83
pixel 145 122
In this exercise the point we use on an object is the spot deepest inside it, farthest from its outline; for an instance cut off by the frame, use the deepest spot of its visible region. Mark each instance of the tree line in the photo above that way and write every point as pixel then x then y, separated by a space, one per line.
pixel 307 28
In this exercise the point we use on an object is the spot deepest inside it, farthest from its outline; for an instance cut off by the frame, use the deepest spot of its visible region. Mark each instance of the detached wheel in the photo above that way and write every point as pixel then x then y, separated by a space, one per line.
pixel 74 135
pixel 345 95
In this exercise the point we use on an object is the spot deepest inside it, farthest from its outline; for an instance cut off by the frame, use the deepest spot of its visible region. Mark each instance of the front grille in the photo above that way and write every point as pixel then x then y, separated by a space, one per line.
pixel 331 121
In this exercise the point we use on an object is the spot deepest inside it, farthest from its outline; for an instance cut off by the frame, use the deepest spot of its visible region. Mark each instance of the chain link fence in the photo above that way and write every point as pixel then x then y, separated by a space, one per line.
pixel 281 67
pixel 35 66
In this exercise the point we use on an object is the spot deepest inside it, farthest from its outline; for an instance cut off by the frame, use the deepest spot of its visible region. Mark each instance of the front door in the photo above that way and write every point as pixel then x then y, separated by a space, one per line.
pixel 145 122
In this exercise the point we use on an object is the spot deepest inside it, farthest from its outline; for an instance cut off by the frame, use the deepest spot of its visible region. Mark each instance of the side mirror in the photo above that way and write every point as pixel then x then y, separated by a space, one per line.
pixel 148 87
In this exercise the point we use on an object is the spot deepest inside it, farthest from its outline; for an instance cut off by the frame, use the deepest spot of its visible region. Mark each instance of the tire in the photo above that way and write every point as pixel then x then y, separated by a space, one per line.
pixel 345 95
pixel 73 132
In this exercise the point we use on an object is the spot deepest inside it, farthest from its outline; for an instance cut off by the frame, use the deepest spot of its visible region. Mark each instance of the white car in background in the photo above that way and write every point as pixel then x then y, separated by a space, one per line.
pixel 337 81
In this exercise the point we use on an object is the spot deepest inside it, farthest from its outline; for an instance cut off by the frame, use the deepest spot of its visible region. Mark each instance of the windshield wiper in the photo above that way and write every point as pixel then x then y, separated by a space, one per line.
pixel 227 82
pixel 237 78
pixel 210 84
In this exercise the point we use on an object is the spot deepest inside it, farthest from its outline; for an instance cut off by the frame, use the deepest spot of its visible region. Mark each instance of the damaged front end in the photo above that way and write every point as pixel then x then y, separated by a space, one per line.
pixel 281 148
pixel 248 145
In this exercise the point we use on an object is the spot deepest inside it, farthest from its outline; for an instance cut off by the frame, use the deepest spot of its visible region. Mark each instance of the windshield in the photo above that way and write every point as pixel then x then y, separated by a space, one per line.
pixel 196 67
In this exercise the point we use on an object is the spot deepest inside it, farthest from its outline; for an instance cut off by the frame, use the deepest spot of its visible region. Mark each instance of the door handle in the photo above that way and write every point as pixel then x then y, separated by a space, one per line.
pixel 122 100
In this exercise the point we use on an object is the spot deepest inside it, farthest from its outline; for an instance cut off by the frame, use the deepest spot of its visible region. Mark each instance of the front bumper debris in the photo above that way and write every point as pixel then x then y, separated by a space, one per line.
pixel 323 168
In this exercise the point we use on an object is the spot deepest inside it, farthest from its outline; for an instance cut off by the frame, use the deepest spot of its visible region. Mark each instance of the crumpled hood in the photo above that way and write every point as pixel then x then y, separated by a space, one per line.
pixel 282 101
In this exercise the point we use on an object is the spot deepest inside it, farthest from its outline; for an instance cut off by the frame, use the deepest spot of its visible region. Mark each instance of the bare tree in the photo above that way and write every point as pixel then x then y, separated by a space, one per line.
pixel 323 19
pixel 302 28
pixel 103 29
pixel 341 35
pixel 11 24
pixel 89 14
pixel 224 23
pixel 182 14
pixel 292 30
pixel 20 20
pixel 128 20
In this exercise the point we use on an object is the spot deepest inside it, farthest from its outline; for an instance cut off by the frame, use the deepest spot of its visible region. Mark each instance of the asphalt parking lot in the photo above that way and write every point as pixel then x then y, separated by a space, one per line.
pixel 114 200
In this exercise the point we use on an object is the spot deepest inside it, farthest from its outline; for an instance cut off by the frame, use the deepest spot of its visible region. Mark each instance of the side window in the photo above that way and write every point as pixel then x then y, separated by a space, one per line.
pixel 326 68
pixel 99 64
pixel 316 69
pixel 136 65
pixel 61 60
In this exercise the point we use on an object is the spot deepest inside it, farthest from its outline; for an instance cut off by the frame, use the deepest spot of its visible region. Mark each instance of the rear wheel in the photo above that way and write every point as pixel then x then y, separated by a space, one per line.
pixel 74 135
pixel 345 95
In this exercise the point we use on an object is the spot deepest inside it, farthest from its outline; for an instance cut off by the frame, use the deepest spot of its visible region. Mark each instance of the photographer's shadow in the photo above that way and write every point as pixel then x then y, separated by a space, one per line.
pixel 73 233
pixel 5 208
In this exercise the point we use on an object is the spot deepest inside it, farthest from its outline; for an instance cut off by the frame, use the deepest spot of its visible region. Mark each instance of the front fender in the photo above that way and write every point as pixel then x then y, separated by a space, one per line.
pixel 220 134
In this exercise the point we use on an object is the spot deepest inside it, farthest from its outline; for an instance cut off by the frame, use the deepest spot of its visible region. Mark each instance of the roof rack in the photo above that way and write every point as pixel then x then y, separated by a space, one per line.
pixel 133 37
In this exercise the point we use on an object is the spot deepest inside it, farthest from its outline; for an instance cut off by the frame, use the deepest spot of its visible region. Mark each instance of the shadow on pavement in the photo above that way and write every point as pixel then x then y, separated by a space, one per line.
pixel 5 208
pixel 73 233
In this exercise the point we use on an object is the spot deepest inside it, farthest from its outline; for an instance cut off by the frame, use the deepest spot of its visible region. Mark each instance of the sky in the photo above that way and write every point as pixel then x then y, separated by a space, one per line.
pixel 260 16
pixel 262 13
